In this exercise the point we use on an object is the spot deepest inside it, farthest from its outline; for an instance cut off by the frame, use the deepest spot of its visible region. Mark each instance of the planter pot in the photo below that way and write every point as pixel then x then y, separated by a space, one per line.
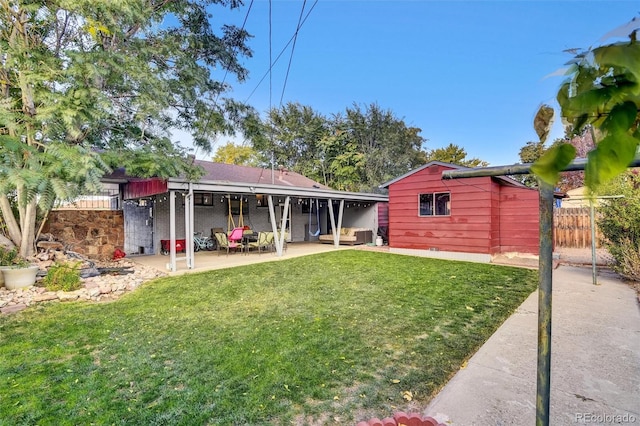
pixel 1 275
pixel 20 277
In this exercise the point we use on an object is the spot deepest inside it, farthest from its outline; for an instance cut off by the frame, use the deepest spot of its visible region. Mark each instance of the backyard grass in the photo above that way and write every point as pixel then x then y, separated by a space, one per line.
pixel 332 338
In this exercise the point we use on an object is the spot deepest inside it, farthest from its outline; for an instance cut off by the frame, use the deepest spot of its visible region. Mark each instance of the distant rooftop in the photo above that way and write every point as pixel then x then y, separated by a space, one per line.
pixel 255 175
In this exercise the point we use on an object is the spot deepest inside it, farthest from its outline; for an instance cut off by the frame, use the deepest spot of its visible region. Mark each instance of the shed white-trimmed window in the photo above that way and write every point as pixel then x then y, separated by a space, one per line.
pixel 434 204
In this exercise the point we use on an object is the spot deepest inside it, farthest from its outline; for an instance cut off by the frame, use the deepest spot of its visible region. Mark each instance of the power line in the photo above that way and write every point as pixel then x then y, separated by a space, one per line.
pixel 295 38
pixel 270 93
pixel 272 63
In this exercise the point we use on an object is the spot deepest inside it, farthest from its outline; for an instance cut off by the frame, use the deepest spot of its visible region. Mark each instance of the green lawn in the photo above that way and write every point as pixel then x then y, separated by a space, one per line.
pixel 343 335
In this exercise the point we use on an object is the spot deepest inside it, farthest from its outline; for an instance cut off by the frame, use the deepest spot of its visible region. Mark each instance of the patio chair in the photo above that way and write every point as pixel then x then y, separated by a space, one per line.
pixel 267 242
pixel 264 242
pixel 225 244
pixel 236 235
pixel 253 240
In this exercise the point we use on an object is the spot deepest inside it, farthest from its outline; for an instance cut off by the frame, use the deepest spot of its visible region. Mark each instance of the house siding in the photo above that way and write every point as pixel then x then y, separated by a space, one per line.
pixel 468 227
pixel 486 216
pixel 519 220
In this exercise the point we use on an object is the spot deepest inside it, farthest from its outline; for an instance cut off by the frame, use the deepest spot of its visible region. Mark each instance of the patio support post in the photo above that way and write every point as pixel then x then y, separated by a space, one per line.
pixel 172 231
pixel 274 227
pixel 334 228
pixel 592 220
pixel 278 236
pixel 189 226
pixel 283 224
pixel 545 270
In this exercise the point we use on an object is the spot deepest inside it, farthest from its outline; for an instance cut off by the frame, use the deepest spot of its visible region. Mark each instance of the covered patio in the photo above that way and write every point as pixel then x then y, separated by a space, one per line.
pixel 211 260
pixel 291 207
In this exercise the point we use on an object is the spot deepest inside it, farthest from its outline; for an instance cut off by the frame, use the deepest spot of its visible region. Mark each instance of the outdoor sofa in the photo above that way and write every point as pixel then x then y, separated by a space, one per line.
pixel 351 236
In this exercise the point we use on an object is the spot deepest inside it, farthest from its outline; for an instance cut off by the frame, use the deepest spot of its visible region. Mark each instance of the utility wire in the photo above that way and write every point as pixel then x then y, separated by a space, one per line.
pixel 295 38
pixel 269 112
pixel 272 63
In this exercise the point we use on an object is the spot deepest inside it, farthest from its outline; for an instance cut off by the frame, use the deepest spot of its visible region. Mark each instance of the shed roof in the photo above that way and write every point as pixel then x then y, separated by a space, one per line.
pixel 503 179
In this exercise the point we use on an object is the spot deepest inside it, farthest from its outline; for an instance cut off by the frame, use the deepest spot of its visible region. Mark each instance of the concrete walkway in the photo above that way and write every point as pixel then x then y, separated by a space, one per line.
pixel 595 360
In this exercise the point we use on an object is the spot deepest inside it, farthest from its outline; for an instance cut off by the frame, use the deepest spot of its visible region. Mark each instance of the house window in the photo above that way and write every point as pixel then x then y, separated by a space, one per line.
pixel 235 205
pixel 262 200
pixel 435 204
pixel 203 199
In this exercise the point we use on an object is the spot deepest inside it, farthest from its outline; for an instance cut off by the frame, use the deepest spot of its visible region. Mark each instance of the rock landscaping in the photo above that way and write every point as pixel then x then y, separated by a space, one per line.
pixel 103 281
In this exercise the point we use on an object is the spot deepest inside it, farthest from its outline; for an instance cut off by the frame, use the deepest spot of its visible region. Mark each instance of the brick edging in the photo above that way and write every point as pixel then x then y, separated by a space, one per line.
pixel 402 419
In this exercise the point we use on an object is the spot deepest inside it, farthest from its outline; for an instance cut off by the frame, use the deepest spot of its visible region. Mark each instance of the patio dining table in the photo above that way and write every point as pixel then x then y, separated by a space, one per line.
pixel 249 237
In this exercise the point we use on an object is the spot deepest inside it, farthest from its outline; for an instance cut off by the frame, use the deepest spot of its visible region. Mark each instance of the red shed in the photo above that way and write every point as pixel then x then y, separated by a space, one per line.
pixel 471 218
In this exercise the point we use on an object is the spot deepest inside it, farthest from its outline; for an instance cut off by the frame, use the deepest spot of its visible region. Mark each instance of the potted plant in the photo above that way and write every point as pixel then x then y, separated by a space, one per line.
pixel 15 271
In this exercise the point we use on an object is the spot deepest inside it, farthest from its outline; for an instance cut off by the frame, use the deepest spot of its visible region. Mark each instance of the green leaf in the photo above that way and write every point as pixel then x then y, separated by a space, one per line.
pixel 549 166
pixel 621 118
pixel 622 56
pixel 611 157
pixel 543 121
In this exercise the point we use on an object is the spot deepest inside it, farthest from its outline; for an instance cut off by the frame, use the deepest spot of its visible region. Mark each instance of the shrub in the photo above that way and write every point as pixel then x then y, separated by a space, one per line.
pixel 619 221
pixel 63 276
pixel 629 260
pixel 11 257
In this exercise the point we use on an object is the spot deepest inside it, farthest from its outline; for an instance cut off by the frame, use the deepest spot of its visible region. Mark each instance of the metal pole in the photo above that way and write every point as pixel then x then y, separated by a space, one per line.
pixel 545 271
pixel 592 219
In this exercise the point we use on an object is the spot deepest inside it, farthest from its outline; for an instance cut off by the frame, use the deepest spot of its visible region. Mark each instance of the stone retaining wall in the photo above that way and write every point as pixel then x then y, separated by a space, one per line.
pixel 93 233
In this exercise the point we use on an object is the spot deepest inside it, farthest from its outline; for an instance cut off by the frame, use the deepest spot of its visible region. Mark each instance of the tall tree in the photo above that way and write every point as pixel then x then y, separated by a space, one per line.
pixel 240 155
pixel 90 84
pixel 356 151
pixel 389 148
pixel 455 155
pixel 291 136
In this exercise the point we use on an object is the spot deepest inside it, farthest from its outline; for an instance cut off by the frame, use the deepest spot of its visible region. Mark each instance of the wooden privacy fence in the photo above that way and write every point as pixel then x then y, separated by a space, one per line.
pixel 572 228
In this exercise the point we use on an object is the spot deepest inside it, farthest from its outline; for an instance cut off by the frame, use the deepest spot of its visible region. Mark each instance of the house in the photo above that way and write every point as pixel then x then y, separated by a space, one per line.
pixel 468 219
pixel 138 215
pixel 229 196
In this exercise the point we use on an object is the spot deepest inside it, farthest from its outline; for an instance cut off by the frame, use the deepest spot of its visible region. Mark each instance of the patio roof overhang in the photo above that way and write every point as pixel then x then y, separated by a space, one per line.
pixel 226 187
pixel 174 186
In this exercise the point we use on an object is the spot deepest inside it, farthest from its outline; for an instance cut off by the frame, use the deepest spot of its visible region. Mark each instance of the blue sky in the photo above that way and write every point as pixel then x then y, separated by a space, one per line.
pixel 471 73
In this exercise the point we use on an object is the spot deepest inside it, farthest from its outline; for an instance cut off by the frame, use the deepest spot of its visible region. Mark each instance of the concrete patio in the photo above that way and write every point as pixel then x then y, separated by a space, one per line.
pixel 211 260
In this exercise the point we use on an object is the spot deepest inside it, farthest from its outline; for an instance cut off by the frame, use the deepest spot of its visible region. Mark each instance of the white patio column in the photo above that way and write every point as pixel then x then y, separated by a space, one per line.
pixel 189 227
pixel 278 236
pixel 334 228
pixel 172 231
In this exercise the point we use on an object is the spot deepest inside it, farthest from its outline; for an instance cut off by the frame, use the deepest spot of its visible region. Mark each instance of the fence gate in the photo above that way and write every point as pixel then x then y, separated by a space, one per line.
pixel 572 228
